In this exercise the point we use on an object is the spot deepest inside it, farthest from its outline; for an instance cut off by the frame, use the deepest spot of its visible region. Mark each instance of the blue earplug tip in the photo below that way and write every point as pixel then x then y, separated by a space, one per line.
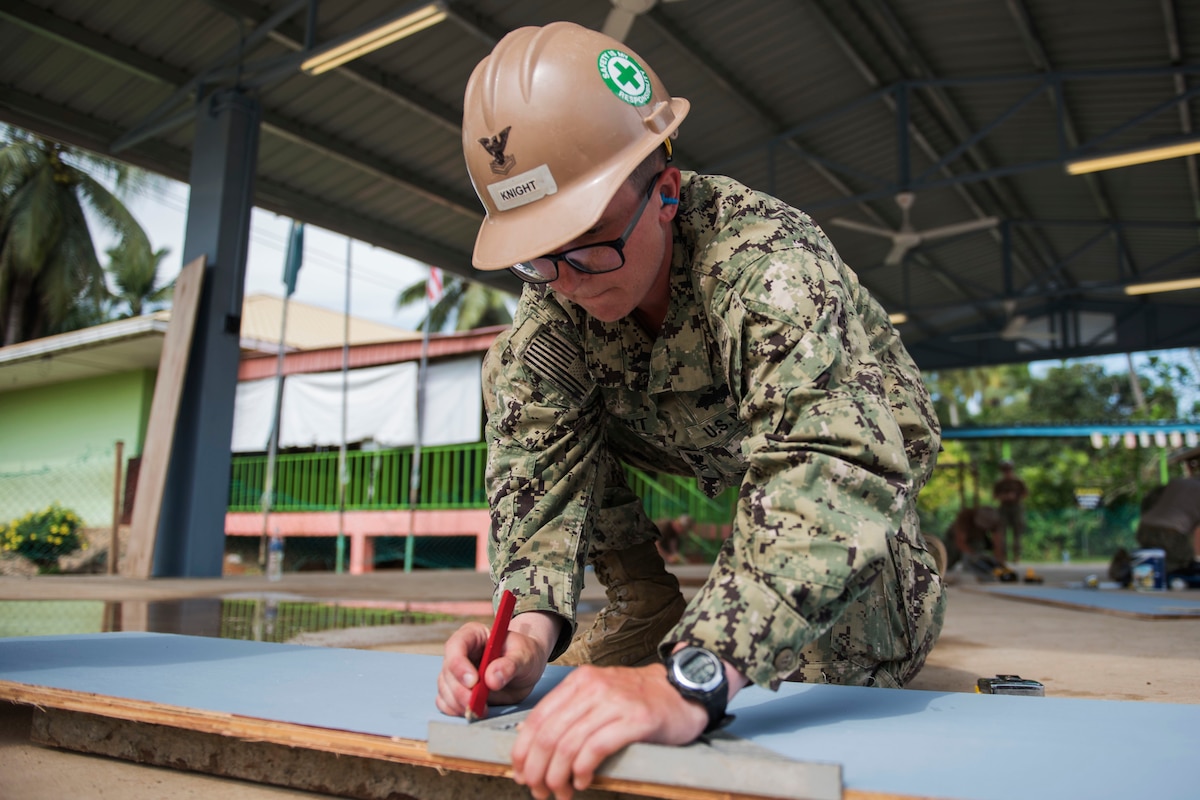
pixel 669 201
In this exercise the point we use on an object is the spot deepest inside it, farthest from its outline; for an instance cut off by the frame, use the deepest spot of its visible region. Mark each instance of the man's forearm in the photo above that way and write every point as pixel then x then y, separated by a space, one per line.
pixel 541 626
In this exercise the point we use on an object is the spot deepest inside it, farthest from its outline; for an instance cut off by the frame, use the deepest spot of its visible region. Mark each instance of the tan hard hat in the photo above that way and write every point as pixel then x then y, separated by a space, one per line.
pixel 554 120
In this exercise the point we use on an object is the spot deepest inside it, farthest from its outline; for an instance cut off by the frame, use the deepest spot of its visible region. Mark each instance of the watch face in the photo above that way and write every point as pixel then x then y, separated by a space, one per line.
pixel 698 668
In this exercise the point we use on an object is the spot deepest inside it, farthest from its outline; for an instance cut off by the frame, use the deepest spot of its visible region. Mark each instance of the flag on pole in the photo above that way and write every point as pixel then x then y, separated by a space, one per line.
pixel 433 286
pixel 295 255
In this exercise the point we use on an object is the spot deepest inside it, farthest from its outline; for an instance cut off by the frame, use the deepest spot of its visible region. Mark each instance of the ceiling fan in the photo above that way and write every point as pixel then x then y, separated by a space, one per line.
pixel 622 15
pixel 1014 329
pixel 906 238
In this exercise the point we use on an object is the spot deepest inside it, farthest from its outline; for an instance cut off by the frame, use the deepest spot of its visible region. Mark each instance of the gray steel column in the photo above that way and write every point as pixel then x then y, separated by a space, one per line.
pixel 191 530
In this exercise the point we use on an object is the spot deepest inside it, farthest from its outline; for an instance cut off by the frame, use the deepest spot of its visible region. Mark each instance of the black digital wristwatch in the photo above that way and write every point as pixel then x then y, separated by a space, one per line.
pixel 699 675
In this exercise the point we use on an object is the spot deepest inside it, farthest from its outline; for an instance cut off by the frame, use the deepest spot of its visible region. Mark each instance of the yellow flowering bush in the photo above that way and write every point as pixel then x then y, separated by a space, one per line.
pixel 43 536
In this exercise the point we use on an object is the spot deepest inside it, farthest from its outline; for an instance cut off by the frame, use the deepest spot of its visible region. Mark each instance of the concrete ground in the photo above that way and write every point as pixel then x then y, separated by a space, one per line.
pixel 1074 653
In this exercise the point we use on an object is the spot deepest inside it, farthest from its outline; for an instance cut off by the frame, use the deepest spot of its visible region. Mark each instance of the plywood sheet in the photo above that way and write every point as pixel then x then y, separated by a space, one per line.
pixel 893 742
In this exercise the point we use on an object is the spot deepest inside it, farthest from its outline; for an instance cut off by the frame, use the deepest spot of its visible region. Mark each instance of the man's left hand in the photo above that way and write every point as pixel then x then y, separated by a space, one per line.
pixel 592 714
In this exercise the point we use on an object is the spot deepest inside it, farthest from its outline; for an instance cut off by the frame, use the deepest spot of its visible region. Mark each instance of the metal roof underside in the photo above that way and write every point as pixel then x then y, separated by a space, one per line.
pixel 836 106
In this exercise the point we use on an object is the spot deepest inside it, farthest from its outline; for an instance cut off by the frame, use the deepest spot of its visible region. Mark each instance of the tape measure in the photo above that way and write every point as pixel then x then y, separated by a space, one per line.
pixel 1010 684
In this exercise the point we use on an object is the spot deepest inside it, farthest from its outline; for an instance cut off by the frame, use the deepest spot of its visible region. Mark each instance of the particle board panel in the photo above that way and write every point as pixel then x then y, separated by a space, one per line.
pixel 305 768
pixel 889 742
pixel 1116 602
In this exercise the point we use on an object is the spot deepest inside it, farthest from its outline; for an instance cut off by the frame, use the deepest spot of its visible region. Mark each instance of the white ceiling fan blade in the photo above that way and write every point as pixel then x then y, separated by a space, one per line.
pixel 972 337
pixel 1035 336
pixel 618 23
pixel 622 16
pixel 1015 330
pixel 1019 332
pixel 902 242
pixel 960 228
pixel 1014 325
pixel 863 227
pixel 900 248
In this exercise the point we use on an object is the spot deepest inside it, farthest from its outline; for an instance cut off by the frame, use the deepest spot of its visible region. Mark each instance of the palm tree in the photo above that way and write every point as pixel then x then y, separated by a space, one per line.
pixel 133 267
pixel 475 305
pixel 49 274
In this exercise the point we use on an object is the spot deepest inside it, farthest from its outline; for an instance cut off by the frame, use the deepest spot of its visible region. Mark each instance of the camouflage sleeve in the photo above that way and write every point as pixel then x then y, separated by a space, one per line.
pixel 828 477
pixel 543 435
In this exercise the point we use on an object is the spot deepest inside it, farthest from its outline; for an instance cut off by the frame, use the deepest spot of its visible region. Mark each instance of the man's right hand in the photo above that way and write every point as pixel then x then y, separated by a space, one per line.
pixel 511 677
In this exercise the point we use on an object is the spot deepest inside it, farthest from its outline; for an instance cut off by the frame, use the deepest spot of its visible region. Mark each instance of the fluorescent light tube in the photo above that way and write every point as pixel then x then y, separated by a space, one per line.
pixel 1163 286
pixel 372 40
pixel 1085 165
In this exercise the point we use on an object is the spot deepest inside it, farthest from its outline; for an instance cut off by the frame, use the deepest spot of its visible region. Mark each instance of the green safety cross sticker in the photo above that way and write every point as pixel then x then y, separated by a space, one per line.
pixel 625 77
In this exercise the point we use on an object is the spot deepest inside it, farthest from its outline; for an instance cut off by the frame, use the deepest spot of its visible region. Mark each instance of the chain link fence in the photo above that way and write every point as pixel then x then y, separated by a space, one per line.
pixel 270 618
pixel 58 517
pixel 1066 534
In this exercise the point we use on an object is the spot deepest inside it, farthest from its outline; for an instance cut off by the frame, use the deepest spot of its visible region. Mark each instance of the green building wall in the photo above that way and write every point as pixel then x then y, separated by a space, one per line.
pixel 58 443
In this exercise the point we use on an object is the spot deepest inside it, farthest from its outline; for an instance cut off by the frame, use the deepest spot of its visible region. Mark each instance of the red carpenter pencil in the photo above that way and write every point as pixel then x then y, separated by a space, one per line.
pixel 491 651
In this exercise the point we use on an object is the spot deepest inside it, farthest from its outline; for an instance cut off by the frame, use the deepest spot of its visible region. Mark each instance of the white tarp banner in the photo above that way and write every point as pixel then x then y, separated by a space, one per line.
pixel 252 416
pixel 453 402
pixel 381 406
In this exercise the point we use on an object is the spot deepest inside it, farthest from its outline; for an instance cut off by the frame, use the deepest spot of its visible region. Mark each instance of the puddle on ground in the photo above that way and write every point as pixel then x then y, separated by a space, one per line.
pixel 265 618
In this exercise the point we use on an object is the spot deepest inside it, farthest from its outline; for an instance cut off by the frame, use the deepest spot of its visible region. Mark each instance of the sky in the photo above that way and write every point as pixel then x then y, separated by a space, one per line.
pixel 377 275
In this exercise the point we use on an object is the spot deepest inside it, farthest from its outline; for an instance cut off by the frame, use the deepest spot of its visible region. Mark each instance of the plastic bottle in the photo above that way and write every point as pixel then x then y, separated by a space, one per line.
pixel 275 558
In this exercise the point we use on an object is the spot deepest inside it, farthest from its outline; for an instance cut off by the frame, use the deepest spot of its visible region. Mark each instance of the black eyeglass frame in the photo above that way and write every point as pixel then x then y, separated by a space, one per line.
pixel 536 277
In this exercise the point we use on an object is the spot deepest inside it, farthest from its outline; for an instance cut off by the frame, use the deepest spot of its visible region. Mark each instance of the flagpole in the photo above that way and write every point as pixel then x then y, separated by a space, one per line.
pixel 273 443
pixel 343 478
pixel 291 270
pixel 433 284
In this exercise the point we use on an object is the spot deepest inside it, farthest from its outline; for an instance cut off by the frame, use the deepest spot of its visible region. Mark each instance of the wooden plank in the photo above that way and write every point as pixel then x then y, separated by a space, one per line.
pixel 164 411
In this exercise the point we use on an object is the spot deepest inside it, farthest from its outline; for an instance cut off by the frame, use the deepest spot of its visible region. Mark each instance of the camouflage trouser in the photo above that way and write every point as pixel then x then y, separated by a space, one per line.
pixel 883 638
pixel 1180 549
pixel 1012 518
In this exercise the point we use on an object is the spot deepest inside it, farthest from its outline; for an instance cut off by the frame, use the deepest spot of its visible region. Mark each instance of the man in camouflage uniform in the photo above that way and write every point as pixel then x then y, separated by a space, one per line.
pixel 685 324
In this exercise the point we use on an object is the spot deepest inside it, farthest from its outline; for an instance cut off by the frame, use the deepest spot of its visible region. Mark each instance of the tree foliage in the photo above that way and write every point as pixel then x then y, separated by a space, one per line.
pixel 50 277
pixel 133 267
pixel 1055 468
pixel 469 304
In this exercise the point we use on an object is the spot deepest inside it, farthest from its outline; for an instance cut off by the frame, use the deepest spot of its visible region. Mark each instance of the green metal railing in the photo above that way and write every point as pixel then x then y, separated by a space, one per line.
pixel 451 478
pixel 672 496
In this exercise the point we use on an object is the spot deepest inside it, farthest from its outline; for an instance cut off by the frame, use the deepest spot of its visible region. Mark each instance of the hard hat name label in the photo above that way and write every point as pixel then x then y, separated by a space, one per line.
pixel 522 189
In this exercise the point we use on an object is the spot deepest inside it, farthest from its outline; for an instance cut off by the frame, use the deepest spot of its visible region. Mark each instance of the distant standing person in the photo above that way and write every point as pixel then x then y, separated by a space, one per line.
pixel 1010 493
